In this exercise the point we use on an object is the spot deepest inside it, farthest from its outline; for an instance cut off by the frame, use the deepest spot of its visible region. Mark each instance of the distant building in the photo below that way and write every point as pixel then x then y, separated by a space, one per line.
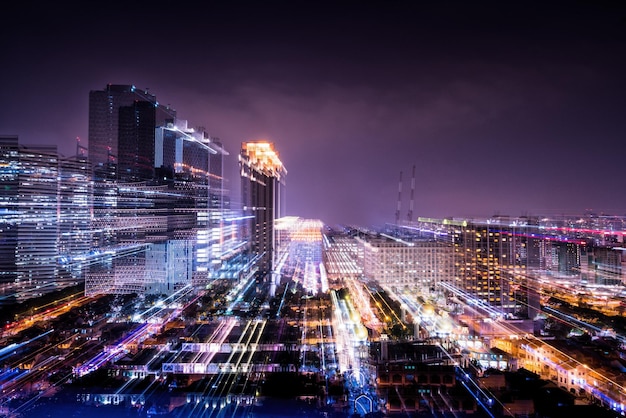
pixel 604 265
pixel 415 264
pixel 491 260
pixel 492 263
pixel 343 257
pixel 299 243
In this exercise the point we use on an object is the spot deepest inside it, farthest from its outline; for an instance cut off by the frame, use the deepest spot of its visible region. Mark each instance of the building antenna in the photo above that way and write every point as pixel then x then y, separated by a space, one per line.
pixel 410 214
pixel 399 199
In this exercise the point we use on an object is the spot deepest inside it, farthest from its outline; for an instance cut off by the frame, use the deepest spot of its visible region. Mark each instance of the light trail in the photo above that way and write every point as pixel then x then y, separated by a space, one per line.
pixel 9 350
pixel 222 384
pixel 303 336
pixel 358 291
pixel 237 293
pixel 389 308
pixel 139 333
pixel 282 300
pixel 256 331
pixel 310 279
pixel 349 333
pixel 433 327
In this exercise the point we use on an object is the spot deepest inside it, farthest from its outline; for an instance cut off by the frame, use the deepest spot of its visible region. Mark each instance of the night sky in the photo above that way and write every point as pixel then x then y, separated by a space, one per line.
pixel 510 108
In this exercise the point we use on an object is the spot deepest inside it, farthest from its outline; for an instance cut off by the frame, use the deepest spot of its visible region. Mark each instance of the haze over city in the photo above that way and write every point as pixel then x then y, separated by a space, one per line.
pixel 509 108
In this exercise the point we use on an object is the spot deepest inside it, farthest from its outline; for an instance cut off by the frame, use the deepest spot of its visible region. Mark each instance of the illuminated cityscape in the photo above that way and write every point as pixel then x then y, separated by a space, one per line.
pixel 322 209
pixel 132 285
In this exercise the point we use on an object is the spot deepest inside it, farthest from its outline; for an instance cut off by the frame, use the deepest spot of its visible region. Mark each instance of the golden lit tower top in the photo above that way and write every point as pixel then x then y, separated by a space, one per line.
pixel 262 157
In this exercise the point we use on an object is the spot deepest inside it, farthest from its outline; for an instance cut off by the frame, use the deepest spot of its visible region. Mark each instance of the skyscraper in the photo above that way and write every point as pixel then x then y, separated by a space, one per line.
pixel 122 122
pixel 158 196
pixel 262 188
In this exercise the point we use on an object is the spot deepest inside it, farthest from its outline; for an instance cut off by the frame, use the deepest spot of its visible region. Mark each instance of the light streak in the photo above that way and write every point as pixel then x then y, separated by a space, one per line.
pixel 12 348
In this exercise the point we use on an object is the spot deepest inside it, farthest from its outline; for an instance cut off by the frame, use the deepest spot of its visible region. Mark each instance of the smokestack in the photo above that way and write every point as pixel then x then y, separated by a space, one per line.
pixel 399 199
pixel 410 215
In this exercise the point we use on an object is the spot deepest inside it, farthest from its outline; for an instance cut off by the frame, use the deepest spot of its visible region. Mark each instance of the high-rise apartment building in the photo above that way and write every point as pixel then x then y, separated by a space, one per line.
pixel 262 189
pixel 492 266
pixel 491 260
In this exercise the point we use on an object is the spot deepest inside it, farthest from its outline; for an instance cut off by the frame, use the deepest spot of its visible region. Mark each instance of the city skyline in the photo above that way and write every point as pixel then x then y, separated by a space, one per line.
pixel 135 287
pixel 501 109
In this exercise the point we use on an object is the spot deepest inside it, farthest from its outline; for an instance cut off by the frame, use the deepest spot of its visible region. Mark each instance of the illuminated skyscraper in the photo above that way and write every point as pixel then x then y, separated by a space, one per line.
pixel 30 217
pixel 262 188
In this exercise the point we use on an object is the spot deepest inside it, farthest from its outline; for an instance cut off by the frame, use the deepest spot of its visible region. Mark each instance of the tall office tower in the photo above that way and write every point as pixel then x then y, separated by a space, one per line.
pixel 262 189
pixel 128 208
pixel 122 122
pixel 135 158
pixel 191 155
pixel 161 197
